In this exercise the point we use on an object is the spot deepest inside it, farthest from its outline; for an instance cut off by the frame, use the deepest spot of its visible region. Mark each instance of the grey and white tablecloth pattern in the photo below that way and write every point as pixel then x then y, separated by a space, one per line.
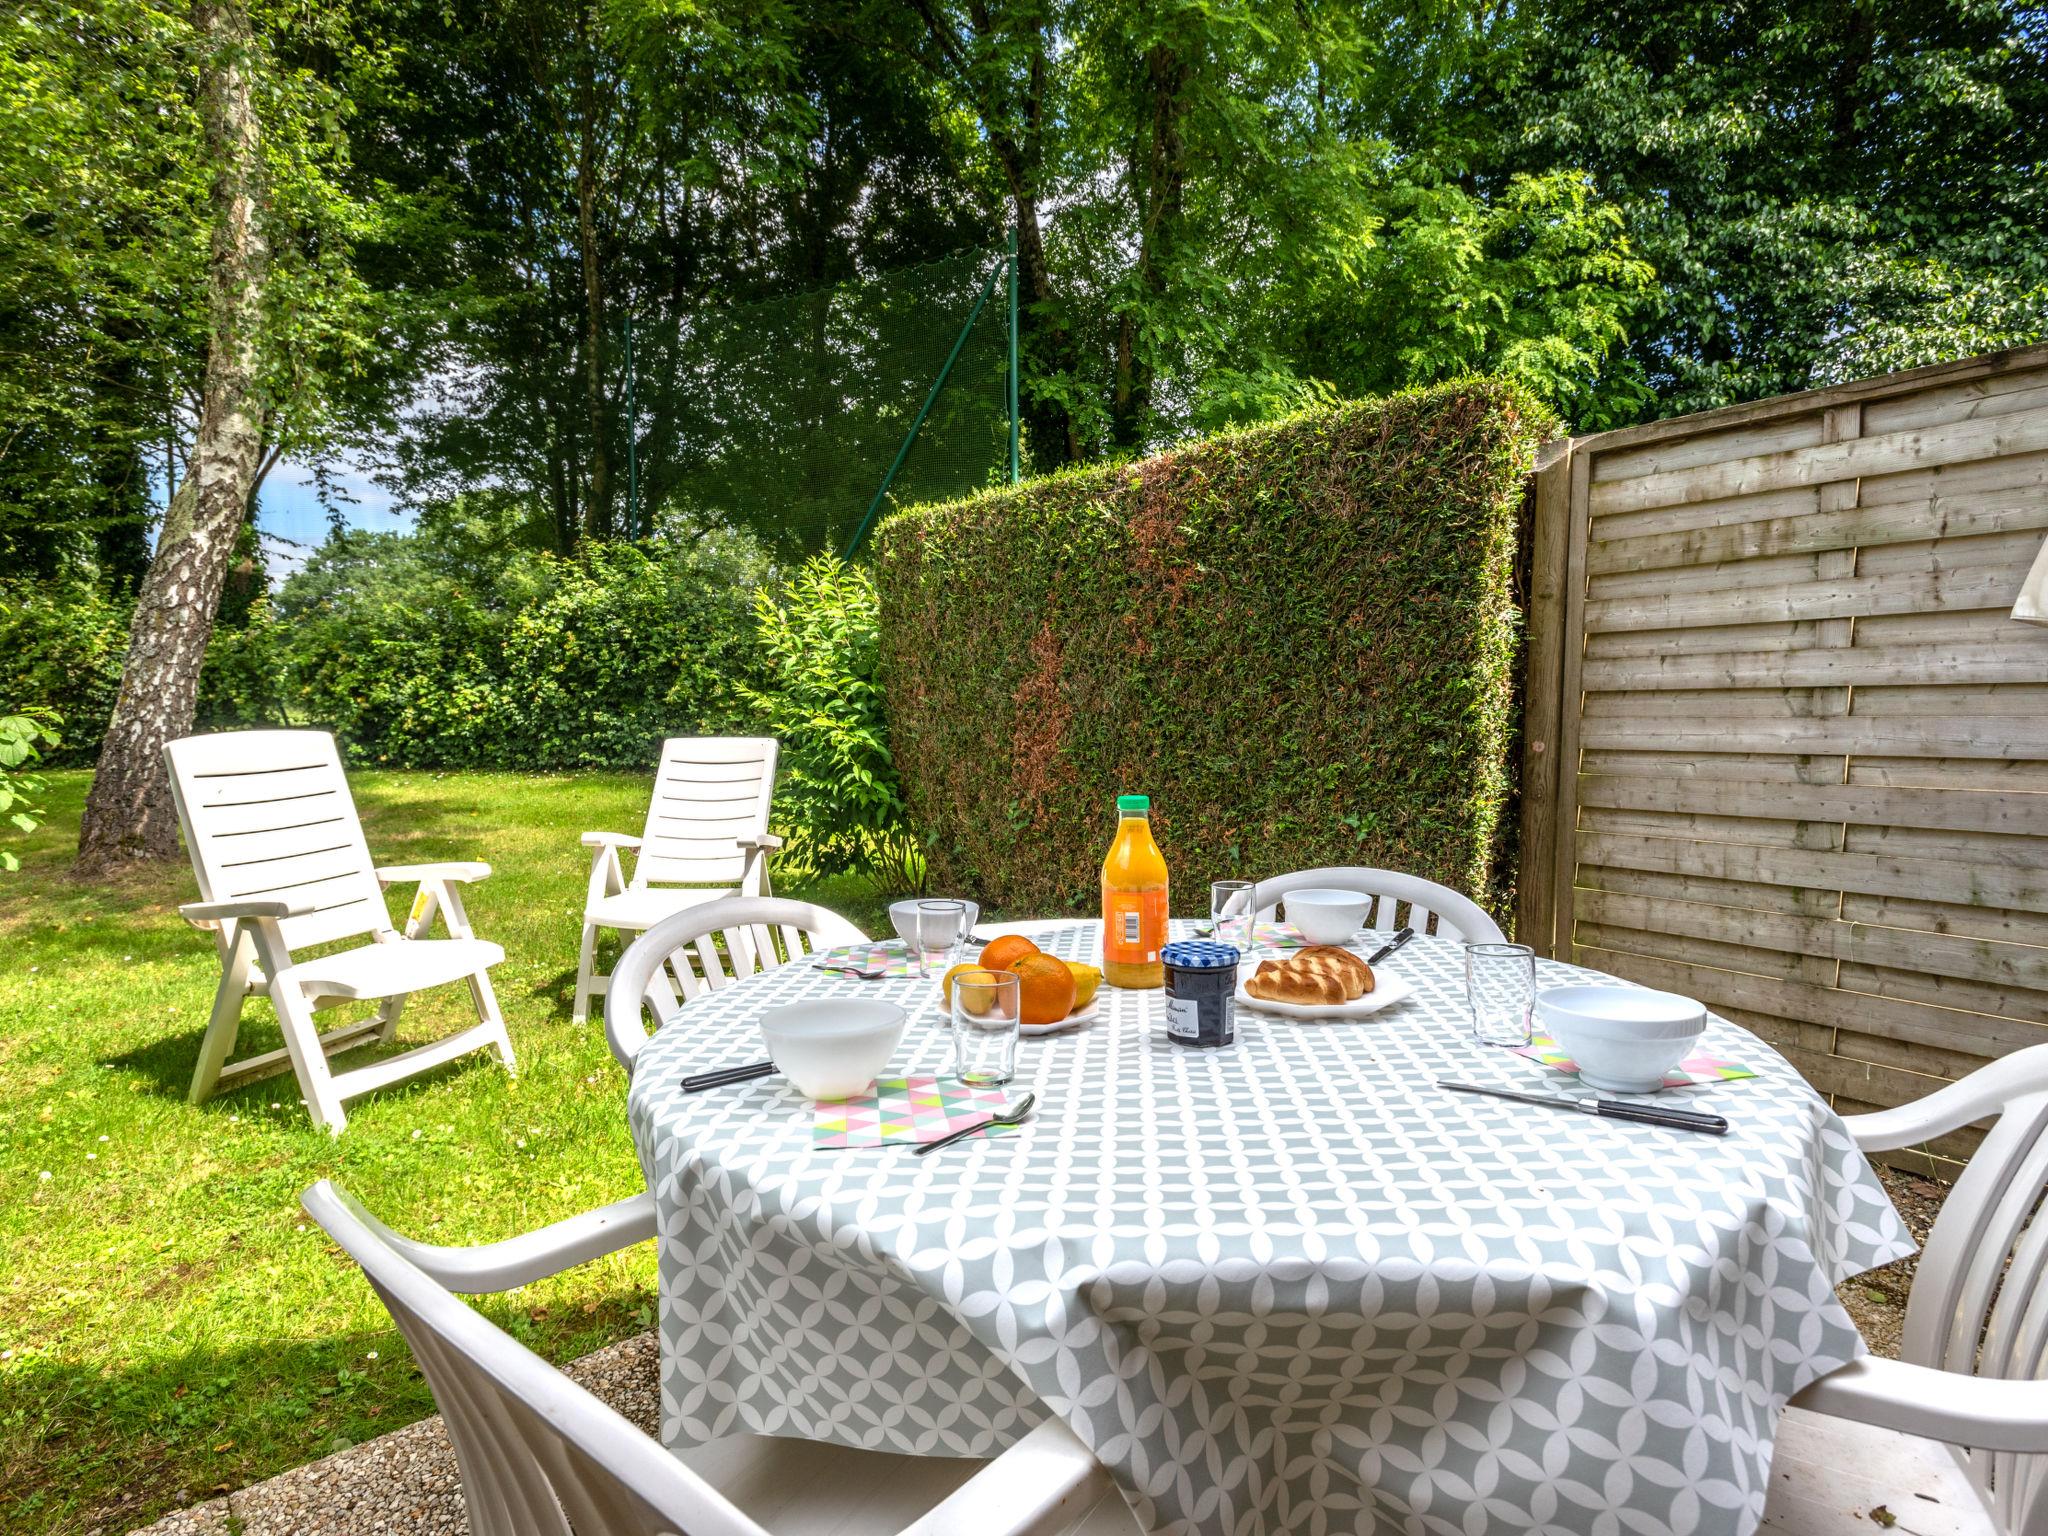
pixel 1287 1286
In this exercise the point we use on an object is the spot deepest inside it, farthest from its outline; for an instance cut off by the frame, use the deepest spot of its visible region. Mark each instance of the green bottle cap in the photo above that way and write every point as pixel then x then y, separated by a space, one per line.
pixel 1129 803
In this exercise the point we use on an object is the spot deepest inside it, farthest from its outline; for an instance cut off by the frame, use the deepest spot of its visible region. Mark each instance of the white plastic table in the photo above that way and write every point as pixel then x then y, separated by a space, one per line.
pixel 1284 1286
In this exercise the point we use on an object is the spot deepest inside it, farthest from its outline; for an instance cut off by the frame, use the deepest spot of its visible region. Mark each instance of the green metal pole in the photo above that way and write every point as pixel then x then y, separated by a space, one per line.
pixel 1014 475
pixel 632 433
pixel 931 397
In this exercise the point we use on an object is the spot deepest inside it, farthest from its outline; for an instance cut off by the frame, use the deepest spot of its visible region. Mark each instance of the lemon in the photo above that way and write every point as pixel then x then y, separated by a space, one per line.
pixel 978 1003
pixel 1086 979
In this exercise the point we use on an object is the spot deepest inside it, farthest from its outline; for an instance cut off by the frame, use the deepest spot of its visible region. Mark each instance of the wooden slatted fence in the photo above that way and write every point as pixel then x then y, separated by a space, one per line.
pixel 1786 745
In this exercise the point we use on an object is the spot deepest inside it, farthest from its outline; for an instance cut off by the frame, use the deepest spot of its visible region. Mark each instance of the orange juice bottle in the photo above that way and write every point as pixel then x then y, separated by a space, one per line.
pixel 1133 900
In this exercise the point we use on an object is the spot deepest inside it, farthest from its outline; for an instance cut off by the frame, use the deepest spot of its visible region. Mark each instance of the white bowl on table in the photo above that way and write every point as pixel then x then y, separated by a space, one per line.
pixel 833 1047
pixel 1323 915
pixel 1624 1039
pixel 903 917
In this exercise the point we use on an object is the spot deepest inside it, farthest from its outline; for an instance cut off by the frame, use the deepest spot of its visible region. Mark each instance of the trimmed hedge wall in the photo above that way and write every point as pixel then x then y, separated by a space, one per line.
pixel 1299 639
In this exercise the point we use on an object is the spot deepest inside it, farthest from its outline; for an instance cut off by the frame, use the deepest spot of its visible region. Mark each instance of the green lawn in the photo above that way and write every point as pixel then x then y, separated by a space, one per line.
pixel 169 1323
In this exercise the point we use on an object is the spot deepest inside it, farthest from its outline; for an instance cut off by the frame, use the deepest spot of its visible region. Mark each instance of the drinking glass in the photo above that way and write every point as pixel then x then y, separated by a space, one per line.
pixel 1231 917
pixel 1500 989
pixel 986 1021
pixel 941 928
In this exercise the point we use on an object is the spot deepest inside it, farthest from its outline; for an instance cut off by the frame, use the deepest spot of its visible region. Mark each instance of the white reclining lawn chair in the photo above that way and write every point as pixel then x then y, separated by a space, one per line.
pixel 640 979
pixel 1457 917
pixel 540 1456
pixel 706 837
pixel 281 862
pixel 1953 1437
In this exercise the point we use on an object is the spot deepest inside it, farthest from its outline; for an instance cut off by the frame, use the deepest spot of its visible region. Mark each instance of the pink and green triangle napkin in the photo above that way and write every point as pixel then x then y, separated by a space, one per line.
pixel 904 1109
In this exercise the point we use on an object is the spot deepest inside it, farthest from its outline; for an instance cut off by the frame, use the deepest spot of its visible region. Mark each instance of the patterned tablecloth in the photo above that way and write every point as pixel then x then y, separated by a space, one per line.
pixel 1286 1286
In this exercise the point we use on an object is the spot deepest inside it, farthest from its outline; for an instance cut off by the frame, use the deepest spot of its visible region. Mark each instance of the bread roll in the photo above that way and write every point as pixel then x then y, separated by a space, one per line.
pixel 1275 982
pixel 1344 961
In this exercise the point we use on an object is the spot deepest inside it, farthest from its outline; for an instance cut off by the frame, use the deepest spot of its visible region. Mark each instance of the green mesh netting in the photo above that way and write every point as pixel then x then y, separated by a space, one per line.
pixel 786 415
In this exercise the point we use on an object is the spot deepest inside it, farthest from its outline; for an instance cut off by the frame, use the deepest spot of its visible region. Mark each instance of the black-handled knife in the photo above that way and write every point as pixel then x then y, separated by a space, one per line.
pixel 1613 1109
pixel 1386 949
pixel 726 1075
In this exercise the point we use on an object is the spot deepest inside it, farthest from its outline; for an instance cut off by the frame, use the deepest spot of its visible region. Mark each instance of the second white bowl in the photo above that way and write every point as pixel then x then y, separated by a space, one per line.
pixel 1327 916
pixel 1623 1038
pixel 903 916
pixel 833 1048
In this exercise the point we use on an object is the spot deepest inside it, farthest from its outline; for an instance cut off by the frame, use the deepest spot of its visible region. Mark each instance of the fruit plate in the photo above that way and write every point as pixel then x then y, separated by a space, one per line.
pixel 1388 990
pixel 1073 1020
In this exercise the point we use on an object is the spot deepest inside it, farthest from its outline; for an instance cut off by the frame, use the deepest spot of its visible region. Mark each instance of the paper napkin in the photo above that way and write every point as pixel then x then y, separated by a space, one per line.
pixel 1689 1073
pixel 905 1109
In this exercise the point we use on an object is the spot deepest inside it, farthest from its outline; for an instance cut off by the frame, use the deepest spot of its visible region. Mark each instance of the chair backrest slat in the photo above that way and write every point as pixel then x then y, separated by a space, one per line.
pixel 709 792
pixel 539 1455
pixel 746 927
pixel 268 813
pixel 1431 908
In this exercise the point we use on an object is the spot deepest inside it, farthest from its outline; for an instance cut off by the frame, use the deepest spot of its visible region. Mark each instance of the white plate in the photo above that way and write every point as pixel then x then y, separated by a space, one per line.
pixel 1073 1020
pixel 1388 989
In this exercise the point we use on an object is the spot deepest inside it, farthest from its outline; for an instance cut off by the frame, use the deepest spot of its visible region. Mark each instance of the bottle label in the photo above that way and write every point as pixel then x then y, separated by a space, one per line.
pixel 1183 1018
pixel 1133 927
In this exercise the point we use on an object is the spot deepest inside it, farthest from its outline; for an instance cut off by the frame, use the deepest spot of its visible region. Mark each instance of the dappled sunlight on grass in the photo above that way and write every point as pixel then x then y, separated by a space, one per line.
pixel 168 1319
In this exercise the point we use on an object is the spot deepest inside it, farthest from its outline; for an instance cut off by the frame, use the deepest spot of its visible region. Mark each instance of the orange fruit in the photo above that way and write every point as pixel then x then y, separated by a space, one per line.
pixel 1001 954
pixel 1045 989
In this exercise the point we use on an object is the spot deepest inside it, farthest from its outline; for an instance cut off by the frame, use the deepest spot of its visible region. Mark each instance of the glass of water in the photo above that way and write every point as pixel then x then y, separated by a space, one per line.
pixel 1231 915
pixel 987 1016
pixel 1500 990
pixel 941 928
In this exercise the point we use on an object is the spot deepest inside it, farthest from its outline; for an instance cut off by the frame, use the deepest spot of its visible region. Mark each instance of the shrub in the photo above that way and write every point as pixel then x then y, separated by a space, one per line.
pixel 24 737
pixel 838 800
pixel 1299 639
pixel 63 642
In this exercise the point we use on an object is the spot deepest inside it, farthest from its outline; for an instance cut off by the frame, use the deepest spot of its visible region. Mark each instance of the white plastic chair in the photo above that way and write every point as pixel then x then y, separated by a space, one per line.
pixel 706 836
pixel 281 863
pixel 748 925
pixel 1456 917
pixel 539 1456
pixel 1957 1429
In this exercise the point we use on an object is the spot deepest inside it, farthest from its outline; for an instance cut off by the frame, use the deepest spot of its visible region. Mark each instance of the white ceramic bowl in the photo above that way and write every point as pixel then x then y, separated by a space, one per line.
pixel 903 915
pixel 833 1048
pixel 1623 1038
pixel 1327 916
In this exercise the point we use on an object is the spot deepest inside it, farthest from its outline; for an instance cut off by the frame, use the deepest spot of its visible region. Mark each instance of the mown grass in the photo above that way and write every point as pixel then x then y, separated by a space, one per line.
pixel 170 1325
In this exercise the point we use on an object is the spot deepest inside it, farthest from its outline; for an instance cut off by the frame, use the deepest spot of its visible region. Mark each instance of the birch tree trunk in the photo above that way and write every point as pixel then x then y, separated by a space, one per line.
pixel 129 815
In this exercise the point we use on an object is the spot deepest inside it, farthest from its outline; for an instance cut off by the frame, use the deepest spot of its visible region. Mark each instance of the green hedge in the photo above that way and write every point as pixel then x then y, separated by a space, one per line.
pixel 1299 639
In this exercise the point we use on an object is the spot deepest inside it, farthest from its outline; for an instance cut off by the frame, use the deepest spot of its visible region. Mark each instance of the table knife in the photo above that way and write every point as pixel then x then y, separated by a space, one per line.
pixel 1386 949
pixel 726 1075
pixel 1613 1109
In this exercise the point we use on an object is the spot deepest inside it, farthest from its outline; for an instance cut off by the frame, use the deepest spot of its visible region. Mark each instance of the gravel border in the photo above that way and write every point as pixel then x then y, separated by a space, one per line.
pixel 404 1483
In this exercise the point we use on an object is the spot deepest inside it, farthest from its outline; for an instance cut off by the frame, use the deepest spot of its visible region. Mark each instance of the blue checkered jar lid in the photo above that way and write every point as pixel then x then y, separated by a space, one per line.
pixel 1199 955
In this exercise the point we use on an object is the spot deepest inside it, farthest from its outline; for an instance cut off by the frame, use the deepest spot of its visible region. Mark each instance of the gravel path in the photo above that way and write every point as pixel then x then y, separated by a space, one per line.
pixel 405 1484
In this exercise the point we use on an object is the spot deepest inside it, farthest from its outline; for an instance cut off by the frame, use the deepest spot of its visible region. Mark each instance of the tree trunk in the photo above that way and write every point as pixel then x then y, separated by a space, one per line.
pixel 129 814
pixel 597 504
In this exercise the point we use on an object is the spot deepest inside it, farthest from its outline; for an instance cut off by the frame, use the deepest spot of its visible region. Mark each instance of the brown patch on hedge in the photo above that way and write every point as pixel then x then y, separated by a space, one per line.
pixel 1298 638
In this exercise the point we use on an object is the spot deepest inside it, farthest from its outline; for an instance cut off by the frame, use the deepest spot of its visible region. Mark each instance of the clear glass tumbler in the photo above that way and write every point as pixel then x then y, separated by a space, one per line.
pixel 941 928
pixel 1231 917
pixel 987 1016
pixel 1500 990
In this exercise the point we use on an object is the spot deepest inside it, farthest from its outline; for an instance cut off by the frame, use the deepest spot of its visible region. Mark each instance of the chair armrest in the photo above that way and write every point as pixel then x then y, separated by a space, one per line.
pixel 1039 1486
pixel 609 840
pixel 516 1261
pixel 209 914
pixel 768 842
pixel 1981 1413
pixel 394 874
pixel 1984 1093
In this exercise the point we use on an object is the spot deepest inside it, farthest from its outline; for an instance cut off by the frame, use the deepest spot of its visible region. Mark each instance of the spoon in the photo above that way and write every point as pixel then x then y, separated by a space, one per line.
pixel 1011 1116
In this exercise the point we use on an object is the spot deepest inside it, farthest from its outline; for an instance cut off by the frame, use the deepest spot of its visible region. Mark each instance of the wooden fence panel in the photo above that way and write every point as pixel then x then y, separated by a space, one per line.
pixel 1786 745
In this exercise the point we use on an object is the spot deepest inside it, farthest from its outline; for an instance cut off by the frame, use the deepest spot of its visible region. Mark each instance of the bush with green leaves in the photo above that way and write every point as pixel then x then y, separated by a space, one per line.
pixel 24 737
pixel 62 642
pixel 838 801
